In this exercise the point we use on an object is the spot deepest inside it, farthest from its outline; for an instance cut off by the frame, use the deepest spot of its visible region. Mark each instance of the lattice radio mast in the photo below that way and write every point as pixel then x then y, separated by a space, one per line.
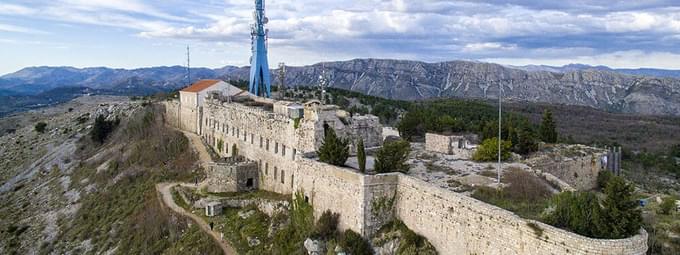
pixel 188 66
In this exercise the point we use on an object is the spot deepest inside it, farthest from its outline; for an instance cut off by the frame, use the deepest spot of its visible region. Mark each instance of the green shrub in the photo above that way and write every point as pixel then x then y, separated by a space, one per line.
pixel 576 211
pixel 488 150
pixel 525 142
pixel 333 150
pixel 392 157
pixel 618 217
pixel 667 205
pixel 289 240
pixel 296 123
pixel 603 178
pixel 409 241
pixel 102 128
pixel 353 243
pixel 327 226
pixel 40 127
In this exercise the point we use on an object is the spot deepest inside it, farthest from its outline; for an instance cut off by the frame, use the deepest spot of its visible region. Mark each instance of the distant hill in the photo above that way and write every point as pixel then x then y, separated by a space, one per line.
pixel 643 91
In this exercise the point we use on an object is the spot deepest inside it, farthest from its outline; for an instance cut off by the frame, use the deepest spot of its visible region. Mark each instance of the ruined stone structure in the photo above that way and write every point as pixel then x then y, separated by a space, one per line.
pixel 283 143
pixel 577 165
pixel 459 145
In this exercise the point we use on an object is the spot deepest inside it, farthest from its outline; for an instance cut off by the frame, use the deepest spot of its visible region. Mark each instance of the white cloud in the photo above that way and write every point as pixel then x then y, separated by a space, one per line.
pixel 486 46
pixel 416 29
pixel 13 9
pixel 19 29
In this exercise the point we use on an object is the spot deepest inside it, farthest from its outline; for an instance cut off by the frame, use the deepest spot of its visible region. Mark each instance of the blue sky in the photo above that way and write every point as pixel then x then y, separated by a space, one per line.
pixel 136 33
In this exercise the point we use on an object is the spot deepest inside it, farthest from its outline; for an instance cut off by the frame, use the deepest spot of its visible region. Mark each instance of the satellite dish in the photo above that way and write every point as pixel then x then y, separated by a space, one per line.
pixel 266 20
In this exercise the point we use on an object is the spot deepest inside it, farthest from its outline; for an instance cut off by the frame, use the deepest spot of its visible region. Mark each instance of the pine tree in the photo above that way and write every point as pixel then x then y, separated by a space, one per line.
pixel 392 157
pixel 621 215
pixel 333 150
pixel 361 155
pixel 526 142
pixel 548 131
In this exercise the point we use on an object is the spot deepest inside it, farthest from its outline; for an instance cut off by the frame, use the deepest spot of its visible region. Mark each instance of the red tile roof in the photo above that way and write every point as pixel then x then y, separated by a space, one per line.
pixel 200 85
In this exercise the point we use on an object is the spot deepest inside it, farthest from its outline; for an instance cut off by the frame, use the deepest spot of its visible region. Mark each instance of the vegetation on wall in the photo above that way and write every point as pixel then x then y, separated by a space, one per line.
pixel 220 145
pixel 289 239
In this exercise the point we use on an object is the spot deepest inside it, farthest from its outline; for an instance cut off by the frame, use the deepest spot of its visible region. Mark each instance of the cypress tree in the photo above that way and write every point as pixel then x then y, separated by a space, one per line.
pixel 361 155
pixel 333 150
pixel 548 131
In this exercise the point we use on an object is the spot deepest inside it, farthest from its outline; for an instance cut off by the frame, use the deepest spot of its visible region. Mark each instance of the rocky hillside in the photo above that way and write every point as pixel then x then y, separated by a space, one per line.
pixel 596 87
pixel 64 193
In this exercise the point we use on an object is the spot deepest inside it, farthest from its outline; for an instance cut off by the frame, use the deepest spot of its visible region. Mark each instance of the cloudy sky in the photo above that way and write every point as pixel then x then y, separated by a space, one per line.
pixel 136 33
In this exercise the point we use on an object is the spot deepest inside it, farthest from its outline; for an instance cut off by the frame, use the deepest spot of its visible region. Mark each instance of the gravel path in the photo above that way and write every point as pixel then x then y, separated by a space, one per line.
pixel 166 198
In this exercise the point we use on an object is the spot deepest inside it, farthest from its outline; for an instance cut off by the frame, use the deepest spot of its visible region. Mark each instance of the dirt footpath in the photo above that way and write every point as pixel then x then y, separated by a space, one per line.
pixel 166 198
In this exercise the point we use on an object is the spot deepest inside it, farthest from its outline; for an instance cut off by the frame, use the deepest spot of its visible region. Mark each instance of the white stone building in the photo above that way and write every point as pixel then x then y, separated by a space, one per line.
pixel 193 97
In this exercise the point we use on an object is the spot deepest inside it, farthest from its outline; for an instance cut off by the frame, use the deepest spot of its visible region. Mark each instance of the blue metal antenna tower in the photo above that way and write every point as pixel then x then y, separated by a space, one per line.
pixel 260 83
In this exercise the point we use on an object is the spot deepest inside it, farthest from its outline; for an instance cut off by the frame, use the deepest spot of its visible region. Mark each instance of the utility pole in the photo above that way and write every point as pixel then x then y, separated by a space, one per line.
pixel 500 95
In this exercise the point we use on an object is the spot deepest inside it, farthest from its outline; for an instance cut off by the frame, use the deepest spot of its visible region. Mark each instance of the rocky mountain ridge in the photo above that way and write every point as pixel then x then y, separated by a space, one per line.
pixel 397 79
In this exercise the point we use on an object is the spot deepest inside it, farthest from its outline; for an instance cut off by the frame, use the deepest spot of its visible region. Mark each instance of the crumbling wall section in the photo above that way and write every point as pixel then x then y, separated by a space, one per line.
pixel 579 170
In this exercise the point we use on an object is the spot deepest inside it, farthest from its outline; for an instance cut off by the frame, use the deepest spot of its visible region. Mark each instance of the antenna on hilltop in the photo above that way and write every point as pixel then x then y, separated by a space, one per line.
pixel 323 82
pixel 188 66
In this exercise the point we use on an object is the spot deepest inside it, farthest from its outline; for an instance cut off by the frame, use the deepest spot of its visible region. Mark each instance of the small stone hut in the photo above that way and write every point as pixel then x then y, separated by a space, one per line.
pixel 233 174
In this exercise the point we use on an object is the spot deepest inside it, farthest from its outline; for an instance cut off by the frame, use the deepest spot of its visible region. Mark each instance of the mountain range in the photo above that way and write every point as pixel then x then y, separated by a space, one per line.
pixel 640 91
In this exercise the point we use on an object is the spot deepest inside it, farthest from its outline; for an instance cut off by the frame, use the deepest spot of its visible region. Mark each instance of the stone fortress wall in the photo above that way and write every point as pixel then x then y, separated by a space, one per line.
pixel 452 222
pixel 458 224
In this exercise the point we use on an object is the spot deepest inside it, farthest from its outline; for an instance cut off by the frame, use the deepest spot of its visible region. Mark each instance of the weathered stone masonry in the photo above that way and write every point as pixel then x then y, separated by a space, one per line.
pixel 453 223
